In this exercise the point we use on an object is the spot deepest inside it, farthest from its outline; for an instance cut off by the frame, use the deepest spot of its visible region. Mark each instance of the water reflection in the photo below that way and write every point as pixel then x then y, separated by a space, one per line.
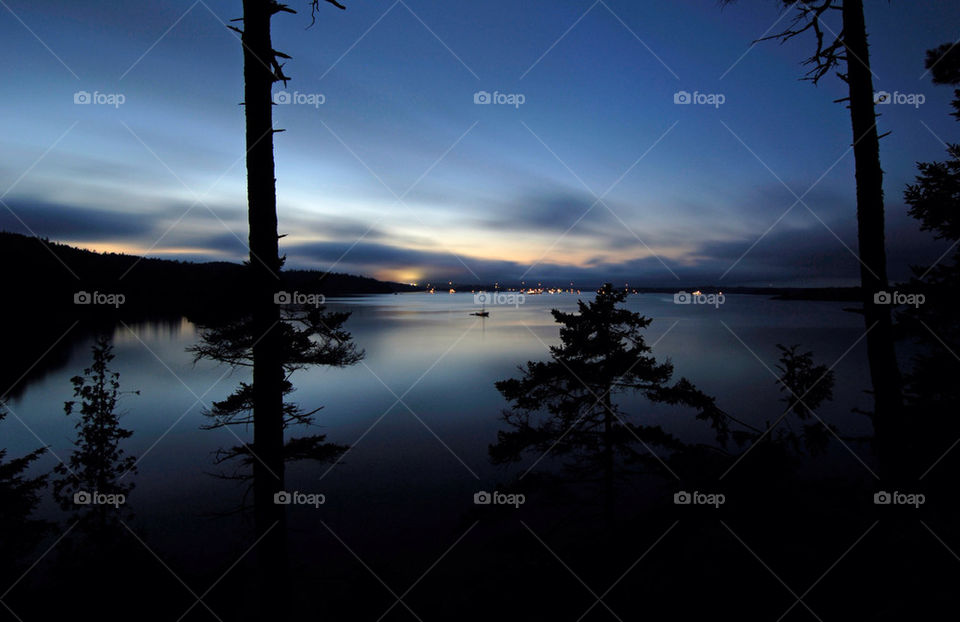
pixel 404 493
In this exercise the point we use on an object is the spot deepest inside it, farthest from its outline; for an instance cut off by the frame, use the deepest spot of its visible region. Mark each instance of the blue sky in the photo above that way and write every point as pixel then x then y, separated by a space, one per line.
pixel 399 174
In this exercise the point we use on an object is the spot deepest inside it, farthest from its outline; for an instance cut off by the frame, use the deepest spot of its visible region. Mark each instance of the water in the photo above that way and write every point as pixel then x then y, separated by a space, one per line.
pixel 419 411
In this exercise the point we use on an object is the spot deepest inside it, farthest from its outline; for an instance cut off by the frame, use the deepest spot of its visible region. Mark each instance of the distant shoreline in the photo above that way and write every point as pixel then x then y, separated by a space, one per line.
pixel 840 294
pixel 48 274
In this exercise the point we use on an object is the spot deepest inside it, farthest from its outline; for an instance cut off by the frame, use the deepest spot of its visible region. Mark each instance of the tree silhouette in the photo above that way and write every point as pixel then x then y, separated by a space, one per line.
pixel 847 53
pixel 944 65
pixel 932 394
pixel 567 406
pixel 302 338
pixel 95 558
pixel 806 386
pixel 308 337
pixel 775 447
pixel 98 464
pixel 261 69
pixel 19 496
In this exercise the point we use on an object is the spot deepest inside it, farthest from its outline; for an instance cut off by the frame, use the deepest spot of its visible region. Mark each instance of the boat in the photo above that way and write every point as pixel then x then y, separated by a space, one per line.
pixel 481 313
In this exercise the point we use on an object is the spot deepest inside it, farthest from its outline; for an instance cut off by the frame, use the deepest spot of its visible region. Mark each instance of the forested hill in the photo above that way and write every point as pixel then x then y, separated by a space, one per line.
pixel 44 277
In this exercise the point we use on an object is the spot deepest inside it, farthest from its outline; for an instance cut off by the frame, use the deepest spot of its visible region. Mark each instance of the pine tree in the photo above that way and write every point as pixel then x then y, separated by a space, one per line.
pixel 309 337
pixel 932 393
pixel 98 464
pixel 569 406
pixel 847 53
pixel 19 497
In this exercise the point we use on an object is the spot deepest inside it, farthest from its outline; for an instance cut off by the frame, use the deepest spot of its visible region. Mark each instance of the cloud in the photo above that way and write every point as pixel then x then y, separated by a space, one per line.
pixel 816 254
pixel 71 222
pixel 371 257
pixel 798 251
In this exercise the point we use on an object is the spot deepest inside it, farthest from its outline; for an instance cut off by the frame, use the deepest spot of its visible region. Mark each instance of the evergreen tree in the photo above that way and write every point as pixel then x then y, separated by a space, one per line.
pixel 19 497
pixel 262 67
pixel 806 386
pixel 98 464
pixel 845 50
pixel 309 337
pixel 932 393
pixel 569 406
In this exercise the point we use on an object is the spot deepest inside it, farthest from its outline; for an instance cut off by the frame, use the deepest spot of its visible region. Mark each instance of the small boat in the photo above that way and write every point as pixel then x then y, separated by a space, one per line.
pixel 481 314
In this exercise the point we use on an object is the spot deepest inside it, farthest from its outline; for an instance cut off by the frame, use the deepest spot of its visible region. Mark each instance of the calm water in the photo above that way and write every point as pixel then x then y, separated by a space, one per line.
pixel 421 409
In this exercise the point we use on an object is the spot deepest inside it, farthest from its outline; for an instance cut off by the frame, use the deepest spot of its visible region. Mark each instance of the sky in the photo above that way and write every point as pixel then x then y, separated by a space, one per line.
pixel 121 131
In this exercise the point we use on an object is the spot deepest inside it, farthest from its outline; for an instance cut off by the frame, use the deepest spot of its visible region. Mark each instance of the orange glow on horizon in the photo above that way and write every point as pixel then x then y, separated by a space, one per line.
pixel 132 249
pixel 471 252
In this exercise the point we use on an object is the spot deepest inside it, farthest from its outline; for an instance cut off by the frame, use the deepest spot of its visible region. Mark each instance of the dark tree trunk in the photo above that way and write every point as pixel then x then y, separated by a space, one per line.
pixel 884 373
pixel 268 471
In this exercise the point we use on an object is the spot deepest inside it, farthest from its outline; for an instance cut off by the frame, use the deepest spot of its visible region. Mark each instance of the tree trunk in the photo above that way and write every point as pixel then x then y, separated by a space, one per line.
pixel 268 471
pixel 884 373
